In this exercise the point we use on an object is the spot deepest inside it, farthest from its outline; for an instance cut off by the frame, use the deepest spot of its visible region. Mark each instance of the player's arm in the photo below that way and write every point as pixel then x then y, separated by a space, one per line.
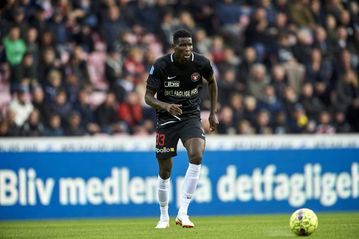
pixel 151 100
pixel 213 93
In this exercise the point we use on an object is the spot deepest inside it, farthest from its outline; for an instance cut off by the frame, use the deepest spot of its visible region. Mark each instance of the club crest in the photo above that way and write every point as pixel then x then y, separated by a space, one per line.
pixel 195 76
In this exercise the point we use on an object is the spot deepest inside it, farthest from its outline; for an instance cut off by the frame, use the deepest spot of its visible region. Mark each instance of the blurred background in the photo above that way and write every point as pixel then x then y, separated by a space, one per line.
pixel 73 68
pixel 287 72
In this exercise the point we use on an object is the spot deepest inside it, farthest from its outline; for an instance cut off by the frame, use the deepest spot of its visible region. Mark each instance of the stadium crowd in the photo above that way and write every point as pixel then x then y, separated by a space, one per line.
pixel 79 67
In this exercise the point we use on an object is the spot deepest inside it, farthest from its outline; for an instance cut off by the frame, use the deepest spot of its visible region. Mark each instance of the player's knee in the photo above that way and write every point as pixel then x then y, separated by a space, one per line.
pixel 165 171
pixel 195 158
pixel 165 174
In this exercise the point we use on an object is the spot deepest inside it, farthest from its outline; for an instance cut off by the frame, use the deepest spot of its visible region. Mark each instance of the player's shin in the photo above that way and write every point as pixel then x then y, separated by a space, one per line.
pixel 163 195
pixel 189 187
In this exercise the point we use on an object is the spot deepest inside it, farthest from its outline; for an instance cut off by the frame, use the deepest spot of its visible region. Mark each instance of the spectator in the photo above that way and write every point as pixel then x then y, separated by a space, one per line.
pixel 250 109
pixel 77 66
pixel 38 19
pixel 54 82
pixel 279 27
pixel 217 49
pixel 317 12
pixel 244 68
pixel 324 126
pixel 227 86
pixel 263 123
pixel 279 80
pixel 86 112
pixel 33 47
pixel 347 90
pixel 299 120
pixel 130 111
pixel 257 81
pixel 270 10
pixel 113 25
pixel 319 72
pixel 59 30
pixel 60 105
pixel 84 38
pixel 186 21
pixel 147 15
pixel 113 67
pixel 48 63
pixel 245 128
pixel 290 100
pixel 15 47
pixel 295 73
pixel 19 19
pixel 311 103
pixel 302 49
pixel 226 121
pixel 236 103
pixel 230 60
pixel 33 126
pixel 126 84
pixel 168 26
pixel 47 41
pixel 228 14
pixel 8 126
pixel 280 125
pixel 21 105
pixel 54 128
pixel 270 101
pixel 301 14
pixel 257 34
pixel 133 61
pixel 321 42
pixel 72 87
pixel 106 116
pixel 340 123
pixel 38 101
pixel 74 126
pixel 331 25
pixel 27 69
pixel 202 42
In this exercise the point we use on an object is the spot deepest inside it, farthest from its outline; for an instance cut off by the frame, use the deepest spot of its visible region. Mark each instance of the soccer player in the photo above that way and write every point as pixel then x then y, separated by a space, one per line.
pixel 177 79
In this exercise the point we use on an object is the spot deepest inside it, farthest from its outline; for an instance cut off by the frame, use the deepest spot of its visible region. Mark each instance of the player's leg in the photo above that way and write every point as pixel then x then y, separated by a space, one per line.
pixel 195 148
pixel 193 139
pixel 166 148
pixel 163 186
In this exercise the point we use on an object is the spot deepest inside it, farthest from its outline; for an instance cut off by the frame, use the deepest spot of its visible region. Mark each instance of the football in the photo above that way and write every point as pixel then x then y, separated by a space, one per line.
pixel 303 222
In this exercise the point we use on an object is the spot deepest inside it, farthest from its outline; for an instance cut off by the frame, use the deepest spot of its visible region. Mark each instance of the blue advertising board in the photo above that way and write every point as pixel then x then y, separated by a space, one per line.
pixel 37 185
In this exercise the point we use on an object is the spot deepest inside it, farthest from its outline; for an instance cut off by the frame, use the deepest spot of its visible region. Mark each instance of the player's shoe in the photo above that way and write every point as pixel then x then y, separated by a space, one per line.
pixel 184 221
pixel 163 225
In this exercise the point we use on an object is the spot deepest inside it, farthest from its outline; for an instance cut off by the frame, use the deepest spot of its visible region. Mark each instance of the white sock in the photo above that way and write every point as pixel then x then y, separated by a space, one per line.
pixel 189 186
pixel 163 193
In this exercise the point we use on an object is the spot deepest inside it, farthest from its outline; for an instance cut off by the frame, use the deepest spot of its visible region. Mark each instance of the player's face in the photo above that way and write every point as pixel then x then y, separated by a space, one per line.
pixel 183 49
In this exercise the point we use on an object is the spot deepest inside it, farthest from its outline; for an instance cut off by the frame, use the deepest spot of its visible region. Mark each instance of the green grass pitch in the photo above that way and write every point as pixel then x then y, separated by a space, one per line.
pixel 331 225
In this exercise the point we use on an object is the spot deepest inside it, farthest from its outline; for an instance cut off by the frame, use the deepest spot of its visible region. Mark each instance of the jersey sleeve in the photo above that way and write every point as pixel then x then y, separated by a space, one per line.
pixel 154 78
pixel 207 70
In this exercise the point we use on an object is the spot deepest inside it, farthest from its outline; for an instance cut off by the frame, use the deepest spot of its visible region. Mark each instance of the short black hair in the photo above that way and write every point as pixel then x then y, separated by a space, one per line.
pixel 181 33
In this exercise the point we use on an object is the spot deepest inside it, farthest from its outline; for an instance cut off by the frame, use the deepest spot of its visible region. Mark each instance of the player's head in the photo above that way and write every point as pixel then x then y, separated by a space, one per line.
pixel 182 45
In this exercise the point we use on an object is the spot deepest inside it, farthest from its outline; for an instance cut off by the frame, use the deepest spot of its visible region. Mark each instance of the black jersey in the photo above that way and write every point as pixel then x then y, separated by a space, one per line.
pixel 177 83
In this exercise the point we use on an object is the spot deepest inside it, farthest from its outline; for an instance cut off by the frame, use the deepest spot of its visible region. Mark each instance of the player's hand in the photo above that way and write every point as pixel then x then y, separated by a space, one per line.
pixel 213 122
pixel 174 109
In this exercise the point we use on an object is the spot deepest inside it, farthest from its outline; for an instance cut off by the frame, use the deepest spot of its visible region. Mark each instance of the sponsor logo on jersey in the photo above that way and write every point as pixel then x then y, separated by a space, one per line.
pixel 172 84
pixel 195 76
pixel 181 93
pixel 164 150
